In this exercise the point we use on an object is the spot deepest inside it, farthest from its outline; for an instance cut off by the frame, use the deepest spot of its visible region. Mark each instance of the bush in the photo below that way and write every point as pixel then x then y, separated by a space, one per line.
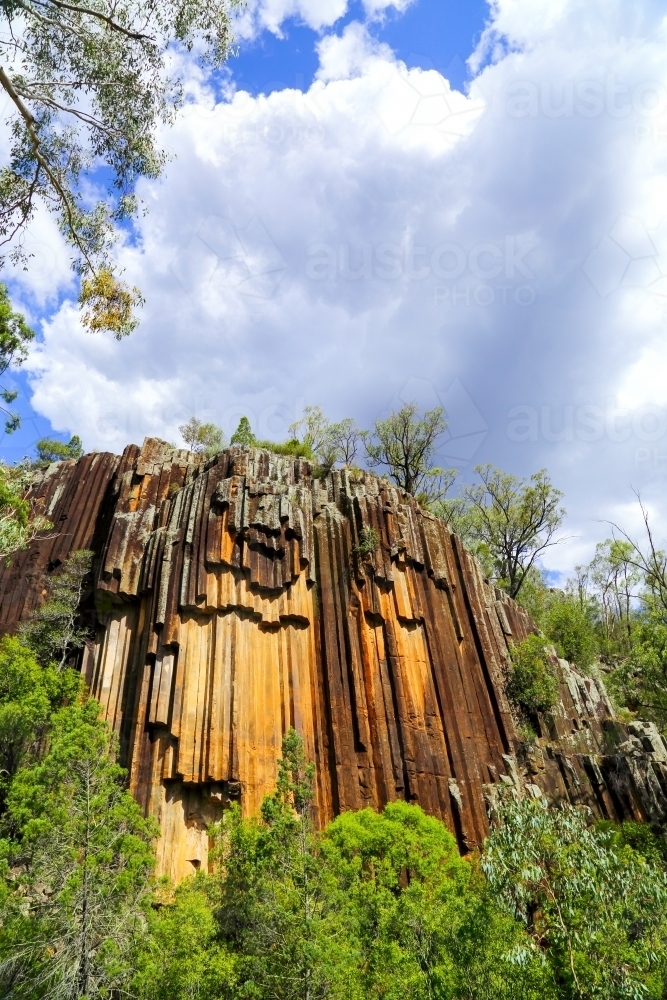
pixel 368 542
pixel 593 904
pixel 534 680
pixel 293 447
pixel 572 632
pixel 640 681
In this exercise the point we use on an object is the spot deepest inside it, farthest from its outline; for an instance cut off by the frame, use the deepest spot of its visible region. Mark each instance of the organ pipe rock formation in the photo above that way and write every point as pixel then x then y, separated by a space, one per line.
pixel 235 597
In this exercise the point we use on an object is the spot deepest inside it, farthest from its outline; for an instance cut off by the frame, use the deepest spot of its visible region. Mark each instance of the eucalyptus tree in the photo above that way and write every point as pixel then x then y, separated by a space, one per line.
pixel 508 521
pixel 405 445
pixel 87 86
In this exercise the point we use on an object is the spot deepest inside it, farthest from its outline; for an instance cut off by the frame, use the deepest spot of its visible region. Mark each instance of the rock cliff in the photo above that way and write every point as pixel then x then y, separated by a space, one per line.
pixel 236 596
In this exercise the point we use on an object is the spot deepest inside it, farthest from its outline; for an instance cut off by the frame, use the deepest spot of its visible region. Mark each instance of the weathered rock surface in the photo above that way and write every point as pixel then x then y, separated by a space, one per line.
pixel 233 598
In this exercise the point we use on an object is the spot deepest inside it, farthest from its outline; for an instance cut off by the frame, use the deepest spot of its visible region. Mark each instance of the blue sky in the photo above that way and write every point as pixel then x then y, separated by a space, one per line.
pixel 429 34
pixel 390 201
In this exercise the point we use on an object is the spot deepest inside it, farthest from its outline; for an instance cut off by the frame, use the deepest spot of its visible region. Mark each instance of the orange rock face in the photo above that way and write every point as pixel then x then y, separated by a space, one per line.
pixel 236 597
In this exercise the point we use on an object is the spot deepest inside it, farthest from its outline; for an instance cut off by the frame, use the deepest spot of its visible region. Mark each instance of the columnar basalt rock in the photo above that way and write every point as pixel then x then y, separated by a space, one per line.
pixel 236 596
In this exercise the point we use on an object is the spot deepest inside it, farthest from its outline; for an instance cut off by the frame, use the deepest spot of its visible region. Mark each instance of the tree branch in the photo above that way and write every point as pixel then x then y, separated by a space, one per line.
pixel 109 21
pixel 30 125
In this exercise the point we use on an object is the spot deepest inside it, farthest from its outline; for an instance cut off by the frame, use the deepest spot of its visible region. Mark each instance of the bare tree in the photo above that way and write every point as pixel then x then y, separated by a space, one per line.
pixel 650 562
pixel 347 438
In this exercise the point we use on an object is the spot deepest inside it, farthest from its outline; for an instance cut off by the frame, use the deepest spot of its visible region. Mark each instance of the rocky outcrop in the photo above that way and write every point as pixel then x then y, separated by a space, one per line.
pixel 238 596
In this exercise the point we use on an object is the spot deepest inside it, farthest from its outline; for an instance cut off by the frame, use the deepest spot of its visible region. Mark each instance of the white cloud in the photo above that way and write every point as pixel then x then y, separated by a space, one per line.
pixel 260 15
pixel 329 247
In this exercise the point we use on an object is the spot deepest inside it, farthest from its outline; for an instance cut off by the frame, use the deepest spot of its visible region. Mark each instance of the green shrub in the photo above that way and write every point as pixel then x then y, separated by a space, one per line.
pixel 533 683
pixel 368 541
pixel 572 632
pixel 293 447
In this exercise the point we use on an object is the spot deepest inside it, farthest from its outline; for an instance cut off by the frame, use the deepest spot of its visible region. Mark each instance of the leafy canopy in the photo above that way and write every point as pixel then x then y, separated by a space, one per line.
pixel 534 678
pixel 593 904
pixel 51 450
pixel 571 630
pixel 201 437
pixel 83 860
pixel 15 338
pixel 29 694
pixel 508 521
pixel 90 84
pixel 19 521
pixel 404 444
pixel 326 441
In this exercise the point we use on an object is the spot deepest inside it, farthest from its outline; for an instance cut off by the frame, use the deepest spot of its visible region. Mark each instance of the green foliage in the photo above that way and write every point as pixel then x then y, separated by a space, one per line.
pixel 572 632
pixel 616 582
pixel 593 904
pixel 639 682
pixel 405 444
pixel 28 696
pixel 534 679
pixel 15 337
pixel 421 918
pixel 292 448
pixel 327 442
pixel 202 438
pixel 640 837
pixel 83 861
pixel 536 597
pixel 19 523
pixel 51 450
pixel 109 304
pixel 509 521
pixel 368 541
pixel 53 631
pixel 296 776
pixel 279 909
pixel 182 956
pixel 377 906
pixel 90 85
pixel 243 434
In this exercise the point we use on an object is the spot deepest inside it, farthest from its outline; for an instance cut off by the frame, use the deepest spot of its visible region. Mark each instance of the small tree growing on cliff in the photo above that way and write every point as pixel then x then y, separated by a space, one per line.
pixel 510 520
pixel 20 520
pixel 201 437
pixel 243 434
pixel 405 444
pixel 51 450
pixel 15 337
pixel 54 630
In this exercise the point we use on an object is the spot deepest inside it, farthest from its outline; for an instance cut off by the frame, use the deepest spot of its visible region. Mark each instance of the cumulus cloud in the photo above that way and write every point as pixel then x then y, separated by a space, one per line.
pixel 270 15
pixel 382 235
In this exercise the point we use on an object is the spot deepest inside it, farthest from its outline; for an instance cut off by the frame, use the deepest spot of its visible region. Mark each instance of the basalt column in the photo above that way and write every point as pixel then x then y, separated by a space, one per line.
pixel 236 597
